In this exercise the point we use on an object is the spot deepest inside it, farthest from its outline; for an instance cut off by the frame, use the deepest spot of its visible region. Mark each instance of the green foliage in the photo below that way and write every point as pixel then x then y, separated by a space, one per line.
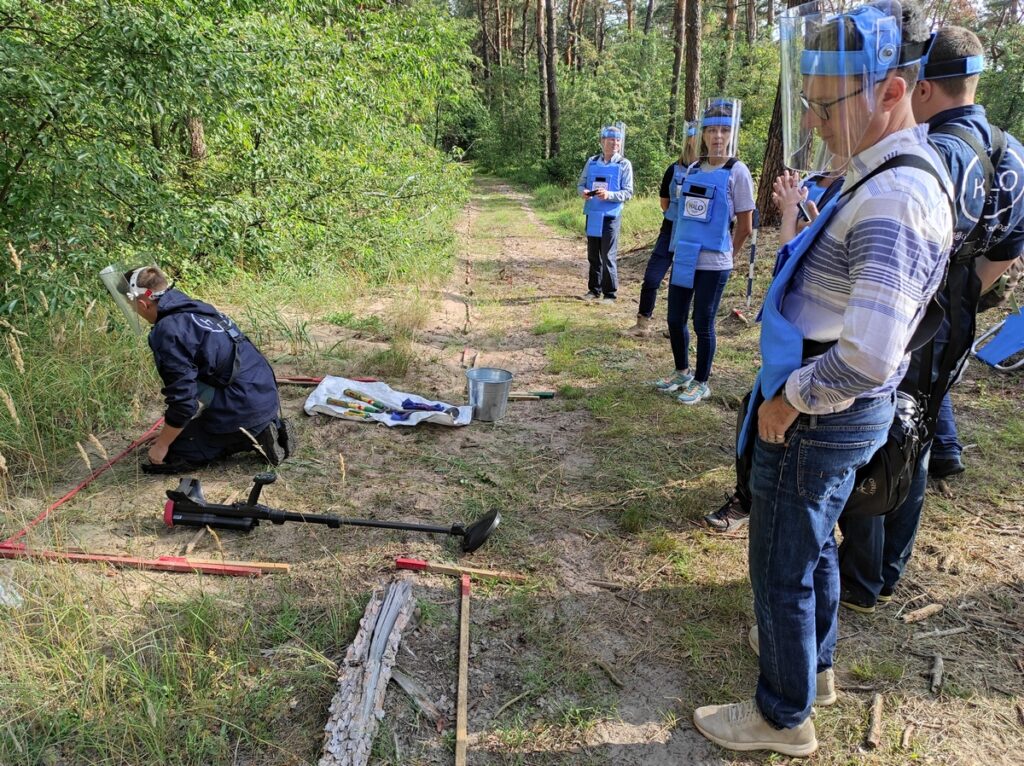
pixel 629 81
pixel 213 137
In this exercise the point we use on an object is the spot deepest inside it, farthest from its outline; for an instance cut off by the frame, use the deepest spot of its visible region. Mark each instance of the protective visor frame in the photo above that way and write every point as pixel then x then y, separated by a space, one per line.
pixel 941 70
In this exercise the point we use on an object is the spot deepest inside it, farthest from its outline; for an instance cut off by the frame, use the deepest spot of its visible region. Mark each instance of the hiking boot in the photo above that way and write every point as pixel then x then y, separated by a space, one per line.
pixel 730 516
pixel 885 597
pixel 641 329
pixel 742 727
pixel 944 467
pixel 673 382
pixel 590 296
pixel 269 441
pixel 286 438
pixel 824 682
pixel 694 392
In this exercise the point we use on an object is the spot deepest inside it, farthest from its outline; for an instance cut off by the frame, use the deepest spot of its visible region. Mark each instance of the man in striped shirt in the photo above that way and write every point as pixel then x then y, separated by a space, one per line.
pixel 855 287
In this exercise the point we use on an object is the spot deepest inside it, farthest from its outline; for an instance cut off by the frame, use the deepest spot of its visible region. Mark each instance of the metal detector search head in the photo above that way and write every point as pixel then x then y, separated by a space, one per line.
pixel 476 534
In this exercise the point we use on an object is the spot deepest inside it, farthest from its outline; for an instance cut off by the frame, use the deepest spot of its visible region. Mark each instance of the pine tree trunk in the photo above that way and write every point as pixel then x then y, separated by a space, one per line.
pixel 630 9
pixel 485 41
pixel 648 17
pixel 196 137
pixel 751 22
pixel 678 37
pixel 552 62
pixel 691 97
pixel 542 81
pixel 499 31
pixel 523 48
pixel 772 166
pixel 730 43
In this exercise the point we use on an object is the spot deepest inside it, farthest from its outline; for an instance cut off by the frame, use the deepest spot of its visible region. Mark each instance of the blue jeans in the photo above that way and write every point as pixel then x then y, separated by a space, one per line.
pixel 602 253
pixel 657 267
pixel 705 295
pixel 799 489
pixel 875 551
pixel 946 443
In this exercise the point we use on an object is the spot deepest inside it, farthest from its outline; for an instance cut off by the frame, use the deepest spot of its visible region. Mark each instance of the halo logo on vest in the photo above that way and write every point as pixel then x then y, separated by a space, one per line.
pixel 702 194
pixel 606 176
pixel 832 63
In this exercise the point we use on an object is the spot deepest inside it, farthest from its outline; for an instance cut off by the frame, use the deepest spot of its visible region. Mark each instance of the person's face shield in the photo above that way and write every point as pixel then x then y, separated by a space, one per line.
pixel 613 139
pixel 114 279
pixel 719 133
pixel 834 66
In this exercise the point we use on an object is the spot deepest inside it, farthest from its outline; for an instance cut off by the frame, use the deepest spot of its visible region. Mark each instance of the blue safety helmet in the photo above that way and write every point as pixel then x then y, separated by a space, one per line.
pixel 611 132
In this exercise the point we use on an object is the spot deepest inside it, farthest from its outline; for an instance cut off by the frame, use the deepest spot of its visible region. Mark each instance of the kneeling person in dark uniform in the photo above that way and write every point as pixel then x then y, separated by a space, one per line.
pixel 220 391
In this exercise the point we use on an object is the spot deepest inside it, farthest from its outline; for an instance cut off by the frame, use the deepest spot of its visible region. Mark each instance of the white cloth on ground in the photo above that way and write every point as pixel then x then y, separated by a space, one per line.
pixel 334 388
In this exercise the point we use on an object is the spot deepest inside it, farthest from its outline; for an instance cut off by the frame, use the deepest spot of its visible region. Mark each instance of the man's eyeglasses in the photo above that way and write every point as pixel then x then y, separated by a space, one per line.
pixel 820 108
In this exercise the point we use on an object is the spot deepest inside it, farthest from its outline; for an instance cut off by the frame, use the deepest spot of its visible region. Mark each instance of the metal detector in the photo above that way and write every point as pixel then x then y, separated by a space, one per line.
pixel 186 507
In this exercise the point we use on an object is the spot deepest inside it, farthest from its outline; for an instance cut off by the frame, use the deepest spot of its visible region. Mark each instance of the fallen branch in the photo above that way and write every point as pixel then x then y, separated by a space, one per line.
pixel 874 736
pixel 922 614
pixel 907 734
pixel 941 633
pixel 610 673
pixel 419 697
pixel 937 668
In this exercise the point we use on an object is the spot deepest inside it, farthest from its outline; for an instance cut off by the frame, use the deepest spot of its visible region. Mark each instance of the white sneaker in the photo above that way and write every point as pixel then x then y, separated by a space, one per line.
pixel 742 727
pixel 825 682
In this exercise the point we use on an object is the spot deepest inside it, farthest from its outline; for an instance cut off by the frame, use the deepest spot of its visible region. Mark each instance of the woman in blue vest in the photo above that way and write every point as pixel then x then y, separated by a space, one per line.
pixel 713 192
pixel 605 184
pixel 661 257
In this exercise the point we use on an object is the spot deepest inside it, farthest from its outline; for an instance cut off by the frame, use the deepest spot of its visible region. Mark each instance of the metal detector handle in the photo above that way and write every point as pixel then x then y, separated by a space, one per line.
pixel 258 482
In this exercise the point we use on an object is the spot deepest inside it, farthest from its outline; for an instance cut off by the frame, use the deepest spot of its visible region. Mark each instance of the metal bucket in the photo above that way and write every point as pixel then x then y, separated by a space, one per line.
pixel 488 392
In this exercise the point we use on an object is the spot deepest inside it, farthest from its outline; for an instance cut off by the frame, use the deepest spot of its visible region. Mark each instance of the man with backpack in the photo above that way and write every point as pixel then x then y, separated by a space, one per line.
pixel 987 168
pixel 847 296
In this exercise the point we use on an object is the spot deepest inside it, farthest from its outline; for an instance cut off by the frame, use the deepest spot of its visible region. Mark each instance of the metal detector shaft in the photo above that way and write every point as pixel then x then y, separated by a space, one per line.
pixel 187 507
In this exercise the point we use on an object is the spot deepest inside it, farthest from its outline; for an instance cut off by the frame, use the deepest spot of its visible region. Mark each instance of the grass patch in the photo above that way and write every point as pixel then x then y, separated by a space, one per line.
pixel 183 680
pixel 369 324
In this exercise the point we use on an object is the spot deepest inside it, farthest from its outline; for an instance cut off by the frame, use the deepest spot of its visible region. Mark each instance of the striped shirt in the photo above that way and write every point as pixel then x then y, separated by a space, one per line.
pixel 867 279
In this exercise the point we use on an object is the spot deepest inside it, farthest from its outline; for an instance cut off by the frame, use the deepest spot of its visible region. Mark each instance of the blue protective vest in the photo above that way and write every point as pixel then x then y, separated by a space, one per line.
pixel 678 173
pixel 596 210
pixel 814 191
pixel 782 343
pixel 703 215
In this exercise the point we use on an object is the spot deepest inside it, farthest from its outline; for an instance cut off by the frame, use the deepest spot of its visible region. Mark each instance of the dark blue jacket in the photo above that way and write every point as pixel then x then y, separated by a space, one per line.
pixel 1004 230
pixel 191 345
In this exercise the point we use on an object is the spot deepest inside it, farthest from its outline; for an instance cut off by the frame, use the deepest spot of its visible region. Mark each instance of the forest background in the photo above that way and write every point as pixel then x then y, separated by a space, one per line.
pixel 301 149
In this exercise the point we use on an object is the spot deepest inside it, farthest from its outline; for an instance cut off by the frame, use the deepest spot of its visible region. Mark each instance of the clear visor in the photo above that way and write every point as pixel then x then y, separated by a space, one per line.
pixel 834 63
pixel 615 133
pixel 718 135
pixel 690 149
pixel 113 279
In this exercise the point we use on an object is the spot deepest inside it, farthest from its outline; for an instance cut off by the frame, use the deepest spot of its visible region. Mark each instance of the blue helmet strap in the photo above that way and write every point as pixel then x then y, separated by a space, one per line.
pixel 962 67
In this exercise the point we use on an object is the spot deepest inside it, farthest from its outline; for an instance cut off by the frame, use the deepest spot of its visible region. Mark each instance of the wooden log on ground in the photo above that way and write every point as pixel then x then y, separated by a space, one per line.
pixel 358 703
pixel 922 614
pixel 937 667
pixel 874 737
